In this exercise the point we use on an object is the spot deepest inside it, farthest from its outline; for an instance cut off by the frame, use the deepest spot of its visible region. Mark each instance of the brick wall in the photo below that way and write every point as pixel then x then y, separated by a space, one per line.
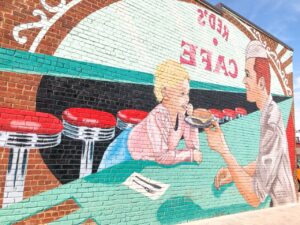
pixel 69 69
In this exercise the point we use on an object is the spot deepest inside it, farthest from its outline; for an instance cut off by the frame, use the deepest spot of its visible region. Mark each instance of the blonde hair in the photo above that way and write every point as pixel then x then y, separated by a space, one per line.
pixel 168 74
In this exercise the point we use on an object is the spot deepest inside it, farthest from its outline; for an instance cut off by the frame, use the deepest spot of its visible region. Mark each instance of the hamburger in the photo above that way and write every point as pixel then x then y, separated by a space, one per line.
pixel 201 118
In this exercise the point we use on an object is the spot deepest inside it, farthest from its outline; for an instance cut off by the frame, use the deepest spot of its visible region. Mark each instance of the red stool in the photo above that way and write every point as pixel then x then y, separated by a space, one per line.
pixel 241 112
pixel 88 125
pixel 22 130
pixel 229 114
pixel 218 115
pixel 129 118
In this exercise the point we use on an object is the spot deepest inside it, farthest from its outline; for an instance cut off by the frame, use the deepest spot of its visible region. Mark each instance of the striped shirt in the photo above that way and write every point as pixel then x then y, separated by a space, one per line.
pixel 273 174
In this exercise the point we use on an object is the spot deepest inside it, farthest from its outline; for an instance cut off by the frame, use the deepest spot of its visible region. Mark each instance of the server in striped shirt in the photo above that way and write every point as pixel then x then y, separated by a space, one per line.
pixel 270 175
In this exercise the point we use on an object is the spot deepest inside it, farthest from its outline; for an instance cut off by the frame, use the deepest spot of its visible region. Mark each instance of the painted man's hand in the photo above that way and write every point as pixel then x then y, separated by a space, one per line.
pixel 223 177
pixel 215 138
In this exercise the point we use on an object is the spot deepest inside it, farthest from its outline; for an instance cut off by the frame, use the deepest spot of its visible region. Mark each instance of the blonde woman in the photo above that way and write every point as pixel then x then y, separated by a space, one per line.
pixel 158 135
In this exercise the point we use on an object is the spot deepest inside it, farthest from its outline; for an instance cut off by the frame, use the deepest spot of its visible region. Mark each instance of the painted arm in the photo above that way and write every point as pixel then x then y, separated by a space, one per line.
pixel 223 175
pixel 158 130
pixel 250 168
pixel 191 137
pixel 242 179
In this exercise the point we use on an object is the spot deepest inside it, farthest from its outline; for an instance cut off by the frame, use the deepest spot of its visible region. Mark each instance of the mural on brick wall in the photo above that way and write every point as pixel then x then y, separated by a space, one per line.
pixel 110 106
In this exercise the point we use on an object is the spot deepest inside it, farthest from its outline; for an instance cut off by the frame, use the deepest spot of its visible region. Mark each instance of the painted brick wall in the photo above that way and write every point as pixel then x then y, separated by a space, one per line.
pixel 100 104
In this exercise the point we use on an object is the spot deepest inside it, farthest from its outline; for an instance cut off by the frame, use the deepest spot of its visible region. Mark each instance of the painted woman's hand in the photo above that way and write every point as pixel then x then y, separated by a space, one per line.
pixel 197 156
pixel 189 109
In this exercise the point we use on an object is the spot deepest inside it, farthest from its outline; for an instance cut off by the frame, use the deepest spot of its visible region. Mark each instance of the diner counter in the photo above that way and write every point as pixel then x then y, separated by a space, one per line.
pixel 191 195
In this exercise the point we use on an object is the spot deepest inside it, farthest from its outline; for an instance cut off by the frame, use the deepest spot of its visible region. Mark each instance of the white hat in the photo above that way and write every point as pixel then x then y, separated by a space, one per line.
pixel 256 49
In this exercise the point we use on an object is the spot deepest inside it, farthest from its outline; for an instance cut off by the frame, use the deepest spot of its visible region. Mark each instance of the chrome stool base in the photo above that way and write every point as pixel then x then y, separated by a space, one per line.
pixel 89 136
pixel 123 126
pixel 20 145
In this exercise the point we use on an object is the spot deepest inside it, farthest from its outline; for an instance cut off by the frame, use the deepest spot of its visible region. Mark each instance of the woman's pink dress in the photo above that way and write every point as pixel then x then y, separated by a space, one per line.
pixel 156 139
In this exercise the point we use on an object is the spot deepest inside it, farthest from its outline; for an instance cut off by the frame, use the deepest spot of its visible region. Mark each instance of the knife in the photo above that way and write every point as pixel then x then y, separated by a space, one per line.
pixel 151 184
pixel 146 188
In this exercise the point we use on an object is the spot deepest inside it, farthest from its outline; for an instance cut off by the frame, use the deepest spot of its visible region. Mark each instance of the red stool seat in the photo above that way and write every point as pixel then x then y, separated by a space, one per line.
pixel 241 111
pixel 132 116
pixel 229 113
pixel 217 113
pixel 89 118
pixel 25 121
pixel 24 130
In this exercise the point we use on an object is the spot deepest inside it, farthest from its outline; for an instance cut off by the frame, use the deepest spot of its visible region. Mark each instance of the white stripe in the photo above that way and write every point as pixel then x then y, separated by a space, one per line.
pixel 289 68
pixel 285 57
pixel 279 48
pixel 275 84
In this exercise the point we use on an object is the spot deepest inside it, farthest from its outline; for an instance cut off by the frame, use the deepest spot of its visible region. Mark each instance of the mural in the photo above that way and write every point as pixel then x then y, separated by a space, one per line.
pixel 270 174
pixel 110 106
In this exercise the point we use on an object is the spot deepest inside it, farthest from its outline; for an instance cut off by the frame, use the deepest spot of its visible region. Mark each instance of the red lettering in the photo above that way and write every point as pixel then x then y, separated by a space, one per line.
pixel 233 74
pixel 219 26
pixel 210 62
pixel 221 65
pixel 212 21
pixel 206 58
pixel 201 17
pixel 225 33
pixel 190 53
